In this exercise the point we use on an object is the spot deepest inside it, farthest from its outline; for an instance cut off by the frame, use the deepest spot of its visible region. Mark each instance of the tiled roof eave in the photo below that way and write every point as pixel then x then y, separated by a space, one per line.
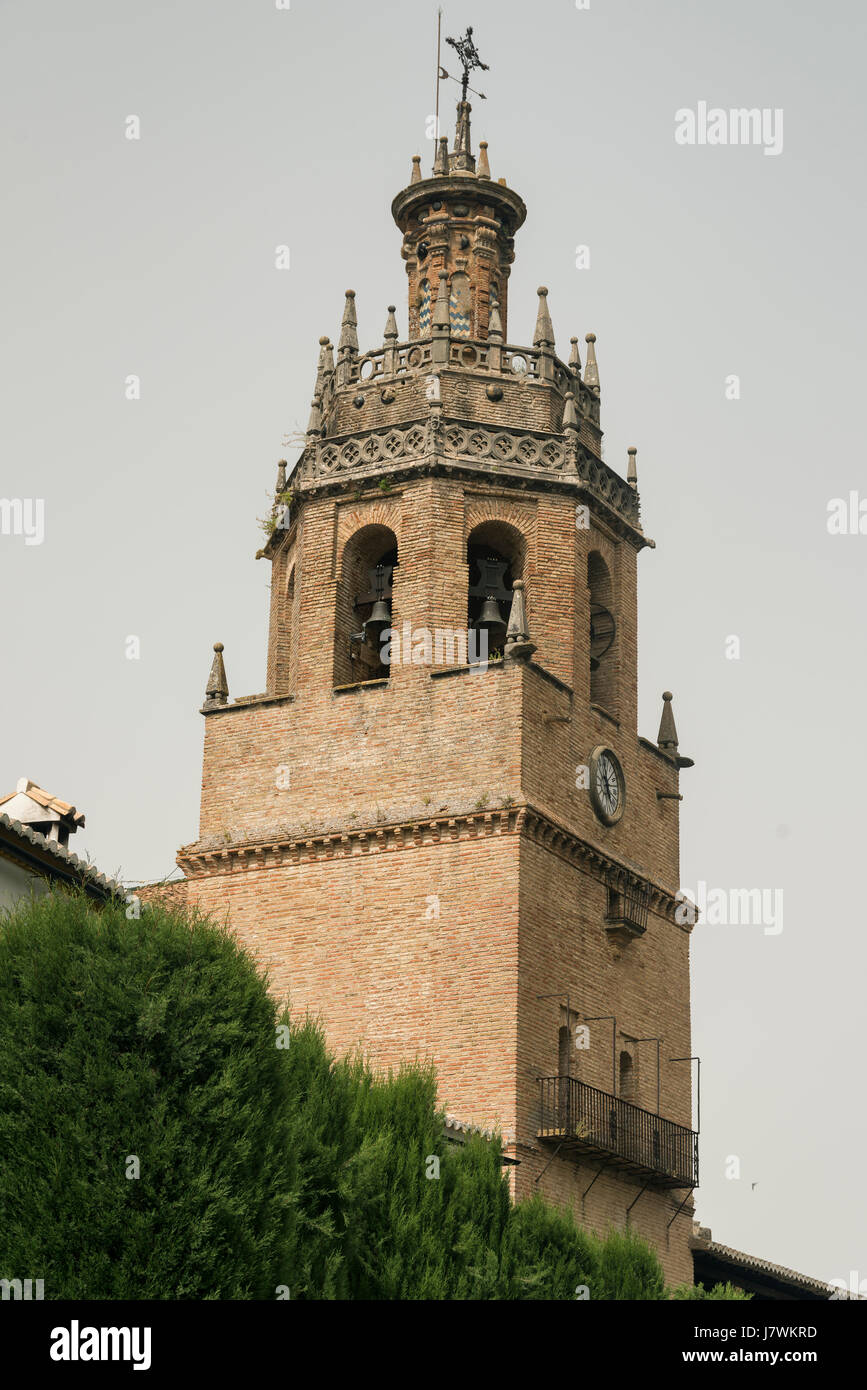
pixel 751 1263
pixel 39 852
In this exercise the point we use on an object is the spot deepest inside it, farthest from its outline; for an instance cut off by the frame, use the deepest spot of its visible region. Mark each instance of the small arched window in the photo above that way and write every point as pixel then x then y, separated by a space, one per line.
pixel 564 1055
pixel 627 1077
pixel 603 635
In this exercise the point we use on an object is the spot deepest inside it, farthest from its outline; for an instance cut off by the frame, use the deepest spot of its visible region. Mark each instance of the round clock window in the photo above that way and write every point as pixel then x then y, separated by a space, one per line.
pixel 607 785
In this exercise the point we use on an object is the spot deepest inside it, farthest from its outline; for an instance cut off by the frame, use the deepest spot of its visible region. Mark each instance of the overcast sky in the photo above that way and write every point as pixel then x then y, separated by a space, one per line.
pixel 156 257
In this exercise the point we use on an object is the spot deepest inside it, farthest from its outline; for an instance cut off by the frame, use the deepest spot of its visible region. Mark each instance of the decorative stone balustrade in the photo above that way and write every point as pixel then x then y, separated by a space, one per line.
pixel 475 355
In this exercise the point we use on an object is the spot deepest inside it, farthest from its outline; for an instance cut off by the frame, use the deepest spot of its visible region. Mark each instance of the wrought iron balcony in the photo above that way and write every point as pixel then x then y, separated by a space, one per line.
pixel 582 1119
pixel 628 903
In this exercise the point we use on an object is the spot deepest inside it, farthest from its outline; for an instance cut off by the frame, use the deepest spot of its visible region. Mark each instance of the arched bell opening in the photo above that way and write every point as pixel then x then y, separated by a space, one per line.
pixel 495 559
pixel 290 625
pixel 364 605
pixel 603 635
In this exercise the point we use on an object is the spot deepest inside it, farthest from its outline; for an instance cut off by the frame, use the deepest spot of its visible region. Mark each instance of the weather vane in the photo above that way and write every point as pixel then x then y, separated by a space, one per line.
pixel 469 56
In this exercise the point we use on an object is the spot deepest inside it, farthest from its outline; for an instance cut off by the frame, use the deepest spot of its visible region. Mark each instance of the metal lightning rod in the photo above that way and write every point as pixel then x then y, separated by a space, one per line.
pixel 439 72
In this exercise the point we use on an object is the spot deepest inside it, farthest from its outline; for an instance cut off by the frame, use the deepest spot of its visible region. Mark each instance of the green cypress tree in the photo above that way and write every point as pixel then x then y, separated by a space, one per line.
pixel 428 1215
pixel 548 1256
pixel 321 1143
pixel 144 1115
pixel 719 1292
pixel 402 1132
pixel 466 1221
pixel 152 1047
pixel 629 1269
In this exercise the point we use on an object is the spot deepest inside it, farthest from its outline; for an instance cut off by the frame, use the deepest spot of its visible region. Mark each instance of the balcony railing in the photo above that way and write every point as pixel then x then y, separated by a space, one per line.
pixel 583 1119
pixel 628 903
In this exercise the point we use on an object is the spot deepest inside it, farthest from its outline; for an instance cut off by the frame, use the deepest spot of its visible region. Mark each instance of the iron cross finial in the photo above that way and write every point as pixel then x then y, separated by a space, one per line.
pixel 469 56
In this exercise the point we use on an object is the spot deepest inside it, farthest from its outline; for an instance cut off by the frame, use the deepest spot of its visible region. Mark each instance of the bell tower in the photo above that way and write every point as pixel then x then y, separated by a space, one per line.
pixel 438 826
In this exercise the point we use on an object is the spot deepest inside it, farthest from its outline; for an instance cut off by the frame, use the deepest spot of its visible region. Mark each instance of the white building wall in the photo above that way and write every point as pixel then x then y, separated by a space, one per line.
pixel 16 882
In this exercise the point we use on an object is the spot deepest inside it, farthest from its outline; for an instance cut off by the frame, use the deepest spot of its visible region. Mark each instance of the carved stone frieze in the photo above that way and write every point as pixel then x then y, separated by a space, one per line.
pixel 451 439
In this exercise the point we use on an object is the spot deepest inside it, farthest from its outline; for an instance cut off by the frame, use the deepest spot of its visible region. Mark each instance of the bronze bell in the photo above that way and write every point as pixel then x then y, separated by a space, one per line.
pixel 379 618
pixel 490 614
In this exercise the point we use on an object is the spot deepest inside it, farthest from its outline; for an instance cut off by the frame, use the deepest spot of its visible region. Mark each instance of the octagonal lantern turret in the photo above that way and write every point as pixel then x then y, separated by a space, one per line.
pixel 459 221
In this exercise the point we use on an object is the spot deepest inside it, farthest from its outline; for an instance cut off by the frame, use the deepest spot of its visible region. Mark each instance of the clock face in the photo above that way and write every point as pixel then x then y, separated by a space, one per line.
pixel 607 787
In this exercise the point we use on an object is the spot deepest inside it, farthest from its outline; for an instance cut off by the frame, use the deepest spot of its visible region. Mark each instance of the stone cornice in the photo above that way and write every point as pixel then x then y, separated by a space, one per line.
pixel 211 858
pixel 247 702
pixel 554 837
pixel 204 858
pixel 462 186
pixel 670 763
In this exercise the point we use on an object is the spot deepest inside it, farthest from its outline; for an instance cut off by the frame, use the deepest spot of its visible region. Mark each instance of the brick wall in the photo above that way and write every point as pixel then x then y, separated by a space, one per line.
pixel 413 860
pixel 353 938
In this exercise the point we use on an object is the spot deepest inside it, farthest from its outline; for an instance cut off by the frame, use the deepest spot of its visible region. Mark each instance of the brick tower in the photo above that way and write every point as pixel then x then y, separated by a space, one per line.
pixel 474 861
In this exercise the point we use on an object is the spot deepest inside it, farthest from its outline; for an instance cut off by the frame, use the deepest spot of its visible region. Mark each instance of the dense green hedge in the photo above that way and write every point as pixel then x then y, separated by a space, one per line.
pixel 266 1168
pixel 150 1040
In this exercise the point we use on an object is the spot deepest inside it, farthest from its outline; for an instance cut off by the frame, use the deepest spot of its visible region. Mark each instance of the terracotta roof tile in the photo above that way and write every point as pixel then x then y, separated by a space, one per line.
pixel 703 1241
pixel 86 871
pixel 45 799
